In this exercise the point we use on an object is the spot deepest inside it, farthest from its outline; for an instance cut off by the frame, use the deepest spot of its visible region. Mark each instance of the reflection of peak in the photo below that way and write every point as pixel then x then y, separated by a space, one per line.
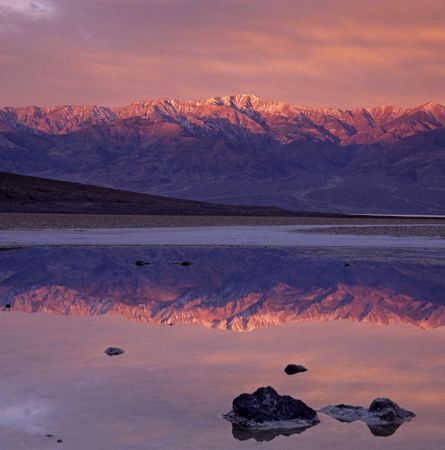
pixel 236 289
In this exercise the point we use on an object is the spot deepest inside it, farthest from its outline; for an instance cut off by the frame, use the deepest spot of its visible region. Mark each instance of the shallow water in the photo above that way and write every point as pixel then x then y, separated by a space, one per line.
pixel 172 385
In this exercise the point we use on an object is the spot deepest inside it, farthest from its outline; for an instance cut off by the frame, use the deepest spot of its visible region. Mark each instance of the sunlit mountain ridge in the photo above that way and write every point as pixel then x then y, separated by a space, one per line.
pixel 240 150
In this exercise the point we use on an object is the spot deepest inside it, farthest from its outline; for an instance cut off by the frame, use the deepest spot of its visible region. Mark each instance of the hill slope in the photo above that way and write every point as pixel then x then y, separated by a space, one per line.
pixel 19 193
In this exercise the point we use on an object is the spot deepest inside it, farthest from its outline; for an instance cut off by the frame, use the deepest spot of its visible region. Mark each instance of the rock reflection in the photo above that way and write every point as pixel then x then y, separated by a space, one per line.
pixel 384 430
pixel 243 433
pixel 230 288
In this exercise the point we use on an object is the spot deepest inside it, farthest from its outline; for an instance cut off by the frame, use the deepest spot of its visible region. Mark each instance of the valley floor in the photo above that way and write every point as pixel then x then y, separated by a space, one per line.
pixel 427 225
pixel 20 230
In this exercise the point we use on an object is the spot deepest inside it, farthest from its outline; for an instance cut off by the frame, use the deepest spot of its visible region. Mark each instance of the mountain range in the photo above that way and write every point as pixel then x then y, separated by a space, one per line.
pixel 240 150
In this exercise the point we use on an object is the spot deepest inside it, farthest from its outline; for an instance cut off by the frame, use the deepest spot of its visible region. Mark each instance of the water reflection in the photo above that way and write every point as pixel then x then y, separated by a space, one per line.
pixel 244 434
pixel 384 430
pixel 230 288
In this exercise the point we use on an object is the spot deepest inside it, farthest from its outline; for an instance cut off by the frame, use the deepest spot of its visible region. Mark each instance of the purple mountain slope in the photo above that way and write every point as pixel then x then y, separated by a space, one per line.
pixel 240 149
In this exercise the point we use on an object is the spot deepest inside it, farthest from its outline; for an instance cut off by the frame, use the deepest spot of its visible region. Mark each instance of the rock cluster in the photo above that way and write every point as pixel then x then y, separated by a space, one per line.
pixel 383 416
pixel 265 414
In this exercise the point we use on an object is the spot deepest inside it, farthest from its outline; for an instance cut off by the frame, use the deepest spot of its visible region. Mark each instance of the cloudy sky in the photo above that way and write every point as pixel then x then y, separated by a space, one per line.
pixel 343 53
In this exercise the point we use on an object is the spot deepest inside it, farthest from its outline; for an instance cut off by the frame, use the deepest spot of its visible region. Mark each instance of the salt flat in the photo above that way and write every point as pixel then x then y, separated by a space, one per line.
pixel 289 236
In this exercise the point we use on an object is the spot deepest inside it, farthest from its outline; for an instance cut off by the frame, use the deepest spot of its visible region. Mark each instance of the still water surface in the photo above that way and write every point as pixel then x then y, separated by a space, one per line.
pixel 188 353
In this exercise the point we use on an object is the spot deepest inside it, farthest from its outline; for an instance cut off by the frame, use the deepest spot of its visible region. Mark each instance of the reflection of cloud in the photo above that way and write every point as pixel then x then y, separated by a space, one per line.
pixel 23 416
pixel 35 9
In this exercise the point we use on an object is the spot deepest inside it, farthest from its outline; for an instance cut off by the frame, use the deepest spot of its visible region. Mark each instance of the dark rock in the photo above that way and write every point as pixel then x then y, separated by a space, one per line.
pixel 292 369
pixel 346 264
pixel 185 263
pixel 141 263
pixel 265 408
pixel 388 411
pixel 59 441
pixel 114 351
pixel 49 435
pixel 8 306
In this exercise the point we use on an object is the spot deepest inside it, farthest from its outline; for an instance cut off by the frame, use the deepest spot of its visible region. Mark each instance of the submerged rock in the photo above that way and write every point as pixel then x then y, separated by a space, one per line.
pixel 114 351
pixel 292 369
pixel 185 263
pixel 383 416
pixel 266 409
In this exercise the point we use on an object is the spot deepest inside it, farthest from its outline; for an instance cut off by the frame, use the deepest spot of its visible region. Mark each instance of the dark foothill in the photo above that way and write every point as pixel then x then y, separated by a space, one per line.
pixel 141 263
pixel 266 406
pixel 114 351
pixel 292 369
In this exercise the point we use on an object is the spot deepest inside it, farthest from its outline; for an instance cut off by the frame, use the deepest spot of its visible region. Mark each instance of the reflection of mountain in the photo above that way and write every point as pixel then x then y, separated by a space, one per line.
pixel 238 289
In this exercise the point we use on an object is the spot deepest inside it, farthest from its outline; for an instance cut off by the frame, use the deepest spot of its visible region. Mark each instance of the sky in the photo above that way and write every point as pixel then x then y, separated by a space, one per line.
pixel 340 53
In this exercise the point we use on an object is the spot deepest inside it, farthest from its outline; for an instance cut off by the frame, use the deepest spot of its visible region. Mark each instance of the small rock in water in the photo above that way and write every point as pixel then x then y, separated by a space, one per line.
pixel 292 369
pixel 383 416
pixel 59 441
pixel 141 263
pixel 388 411
pixel 266 409
pixel 114 351
pixel 185 263
pixel 346 264
pixel 49 435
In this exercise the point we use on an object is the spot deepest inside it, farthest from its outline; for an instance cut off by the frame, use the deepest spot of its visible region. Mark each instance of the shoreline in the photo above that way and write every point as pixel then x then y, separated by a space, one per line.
pixel 31 221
